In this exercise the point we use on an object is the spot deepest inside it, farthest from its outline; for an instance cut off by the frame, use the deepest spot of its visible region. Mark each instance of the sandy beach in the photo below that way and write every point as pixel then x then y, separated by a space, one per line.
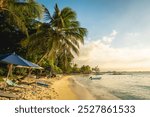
pixel 81 92
pixel 68 90
pixel 59 88
pixel 62 86
pixel 30 90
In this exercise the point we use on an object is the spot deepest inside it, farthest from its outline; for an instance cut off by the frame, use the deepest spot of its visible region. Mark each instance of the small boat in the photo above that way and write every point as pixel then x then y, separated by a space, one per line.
pixel 95 78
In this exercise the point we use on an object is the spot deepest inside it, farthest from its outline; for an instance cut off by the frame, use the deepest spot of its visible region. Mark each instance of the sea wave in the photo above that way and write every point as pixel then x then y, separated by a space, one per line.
pixel 126 87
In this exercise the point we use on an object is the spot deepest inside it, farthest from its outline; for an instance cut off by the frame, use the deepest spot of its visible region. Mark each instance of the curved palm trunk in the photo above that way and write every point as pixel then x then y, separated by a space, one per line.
pixel 30 70
pixel 39 62
pixel 65 33
pixel 42 58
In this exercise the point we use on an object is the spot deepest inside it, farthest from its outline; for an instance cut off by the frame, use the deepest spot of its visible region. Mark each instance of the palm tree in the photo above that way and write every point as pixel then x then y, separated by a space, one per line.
pixel 60 37
pixel 20 12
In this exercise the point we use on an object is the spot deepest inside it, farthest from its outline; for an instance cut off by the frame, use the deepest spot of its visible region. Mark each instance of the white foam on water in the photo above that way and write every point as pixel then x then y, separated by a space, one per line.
pixel 135 86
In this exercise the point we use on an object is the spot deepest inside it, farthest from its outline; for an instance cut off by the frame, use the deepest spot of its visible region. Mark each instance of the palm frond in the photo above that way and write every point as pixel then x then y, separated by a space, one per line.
pixel 47 15
pixel 71 46
pixel 68 14
pixel 16 20
pixel 30 9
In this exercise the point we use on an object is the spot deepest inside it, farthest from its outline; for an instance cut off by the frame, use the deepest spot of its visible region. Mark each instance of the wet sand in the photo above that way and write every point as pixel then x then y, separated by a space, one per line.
pixel 62 87
pixel 81 92
pixel 84 94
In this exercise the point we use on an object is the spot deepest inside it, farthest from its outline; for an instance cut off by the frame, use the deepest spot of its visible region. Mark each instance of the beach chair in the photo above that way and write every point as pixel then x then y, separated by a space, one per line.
pixel 7 95
pixel 11 83
pixel 42 84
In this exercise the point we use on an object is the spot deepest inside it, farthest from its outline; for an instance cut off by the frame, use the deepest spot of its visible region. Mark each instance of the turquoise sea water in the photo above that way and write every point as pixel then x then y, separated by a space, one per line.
pixel 125 87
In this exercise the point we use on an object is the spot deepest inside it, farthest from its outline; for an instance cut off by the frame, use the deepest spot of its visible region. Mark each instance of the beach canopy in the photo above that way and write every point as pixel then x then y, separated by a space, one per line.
pixel 13 58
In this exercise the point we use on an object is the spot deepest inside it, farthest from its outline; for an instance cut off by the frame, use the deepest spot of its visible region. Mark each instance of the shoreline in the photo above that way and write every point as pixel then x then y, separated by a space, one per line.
pixel 77 89
pixel 60 88
pixel 68 89
pixel 72 90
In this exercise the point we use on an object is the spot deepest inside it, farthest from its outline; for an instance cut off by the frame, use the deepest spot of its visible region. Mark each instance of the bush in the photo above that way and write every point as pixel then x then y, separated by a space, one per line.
pixel 3 71
pixel 85 69
pixel 57 70
pixel 20 71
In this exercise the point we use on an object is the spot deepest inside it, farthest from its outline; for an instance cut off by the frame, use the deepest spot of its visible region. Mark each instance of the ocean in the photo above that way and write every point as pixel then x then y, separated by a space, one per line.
pixel 135 86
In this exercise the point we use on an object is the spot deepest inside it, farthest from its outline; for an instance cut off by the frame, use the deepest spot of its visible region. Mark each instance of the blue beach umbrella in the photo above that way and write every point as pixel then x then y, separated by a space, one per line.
pixel 13 58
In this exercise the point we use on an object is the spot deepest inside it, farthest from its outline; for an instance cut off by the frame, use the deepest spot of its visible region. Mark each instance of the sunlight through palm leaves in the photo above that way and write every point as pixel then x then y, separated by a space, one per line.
pixel 62 35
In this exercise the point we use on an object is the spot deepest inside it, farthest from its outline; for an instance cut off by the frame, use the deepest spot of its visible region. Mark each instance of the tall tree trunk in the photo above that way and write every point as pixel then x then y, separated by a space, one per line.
pixel 42 58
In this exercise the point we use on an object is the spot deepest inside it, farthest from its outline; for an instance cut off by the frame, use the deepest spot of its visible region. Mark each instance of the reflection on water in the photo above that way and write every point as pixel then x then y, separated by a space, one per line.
pixel 127 87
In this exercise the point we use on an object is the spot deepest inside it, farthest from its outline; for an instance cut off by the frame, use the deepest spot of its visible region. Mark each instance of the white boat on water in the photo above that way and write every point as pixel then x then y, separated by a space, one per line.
pixel 95 78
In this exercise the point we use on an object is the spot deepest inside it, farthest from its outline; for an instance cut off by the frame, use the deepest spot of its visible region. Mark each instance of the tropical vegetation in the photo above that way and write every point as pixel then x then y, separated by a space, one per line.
pixel 54 42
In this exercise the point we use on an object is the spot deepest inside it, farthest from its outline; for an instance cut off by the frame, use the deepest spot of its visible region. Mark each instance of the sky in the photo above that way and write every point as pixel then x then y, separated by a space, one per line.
pixel 118 32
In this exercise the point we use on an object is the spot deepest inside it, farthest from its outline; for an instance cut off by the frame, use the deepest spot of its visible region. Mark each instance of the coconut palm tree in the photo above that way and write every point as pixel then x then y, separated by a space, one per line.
pixel 61 36
pixel 20 12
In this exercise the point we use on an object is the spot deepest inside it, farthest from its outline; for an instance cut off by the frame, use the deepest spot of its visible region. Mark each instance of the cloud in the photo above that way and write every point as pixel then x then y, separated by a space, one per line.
pixel 107 40
pixel 100 52
pixel 133 34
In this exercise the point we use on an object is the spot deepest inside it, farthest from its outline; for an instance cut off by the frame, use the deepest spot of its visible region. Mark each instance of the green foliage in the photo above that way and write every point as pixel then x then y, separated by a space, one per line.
pixel 20 71
pixel 48 44
pixel 54 68
pixel 3 71
pixel 60 38
pixel 85 69
pixel 20 13
pixel 16 20
pixel 57 70
pixel 75 69
pixel 96 69
pixel 116 73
